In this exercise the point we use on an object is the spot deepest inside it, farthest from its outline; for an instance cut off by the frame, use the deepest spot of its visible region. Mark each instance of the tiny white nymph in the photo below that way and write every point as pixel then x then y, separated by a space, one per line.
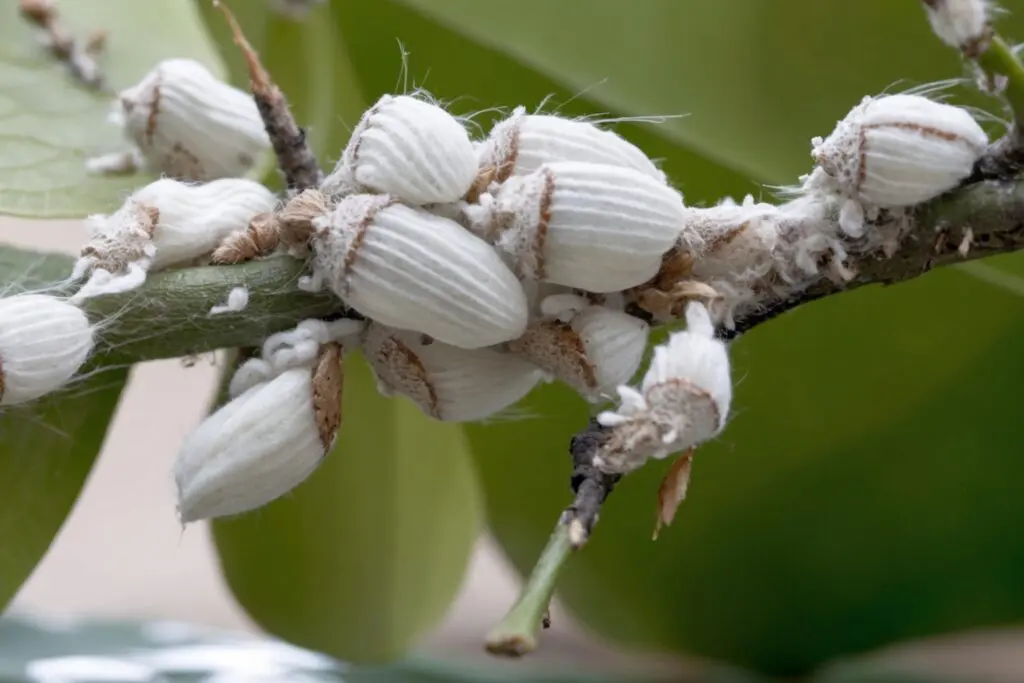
pixel 593 350
pixel 163 225
pixel 522 143
pixel 963 24
pixel 263 443
pixel 410 269
pixel 895 151
pixel 683 400
pixel 596 227
pixel 408 148
pixel 238 299
pixel 189 125
pixel 44 340
pixel 446 382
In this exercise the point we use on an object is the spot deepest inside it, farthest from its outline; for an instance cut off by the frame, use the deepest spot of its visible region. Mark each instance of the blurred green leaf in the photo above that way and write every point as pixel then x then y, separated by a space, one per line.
pixel 757 78
pixel 49 125
pixel 47 447
pixel 366 556
pixel 395 49
pixel 308 61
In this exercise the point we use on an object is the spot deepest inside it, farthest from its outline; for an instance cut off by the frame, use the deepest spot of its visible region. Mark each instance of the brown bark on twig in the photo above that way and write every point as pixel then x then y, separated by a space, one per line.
pixel 295 157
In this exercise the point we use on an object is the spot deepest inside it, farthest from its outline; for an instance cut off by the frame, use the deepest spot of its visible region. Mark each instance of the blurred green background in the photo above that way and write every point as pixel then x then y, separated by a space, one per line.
pixel 865 490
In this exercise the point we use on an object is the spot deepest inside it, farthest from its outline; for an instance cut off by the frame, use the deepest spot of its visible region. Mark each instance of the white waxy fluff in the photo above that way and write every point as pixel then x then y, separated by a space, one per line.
pixel 564 300
pixel 195 218
pixel 705 231
pixel 548 300
pixel 523 142
pixel 409 148
pixel 116 163
pixel 594 351
pixel 409 269
pixel 733 249
pixel 43 342
pixel 447 383
pixel 298 347
pixel 260 445
pixel 189 125
pixel 895 151
pixel 963 24
pixel 734 257
pixel 683 400
pixel 595 227
pixel 165 224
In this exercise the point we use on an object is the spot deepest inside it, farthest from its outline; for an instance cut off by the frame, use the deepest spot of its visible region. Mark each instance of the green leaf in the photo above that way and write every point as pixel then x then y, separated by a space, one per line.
pixel 47 447
pixel 758 78
pixel 308 61
pixel 366 556
pixel 475 79
pixel 49 125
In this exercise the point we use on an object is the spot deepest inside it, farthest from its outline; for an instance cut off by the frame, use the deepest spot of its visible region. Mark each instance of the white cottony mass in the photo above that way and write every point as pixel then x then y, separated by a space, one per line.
pixel 895 151
pixel 523 142
pixel 409 148
pixel 596 227
pixel 261 444
pixel 44 340
pixel 593 350
pixel 409 269
pixel 963 24
pixel 189 125
pixel 446 382
pixel 165 224
pixel 683 400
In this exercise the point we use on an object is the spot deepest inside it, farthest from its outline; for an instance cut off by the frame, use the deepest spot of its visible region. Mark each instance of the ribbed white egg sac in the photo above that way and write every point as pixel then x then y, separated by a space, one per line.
pixel 446 382
pixel 409 269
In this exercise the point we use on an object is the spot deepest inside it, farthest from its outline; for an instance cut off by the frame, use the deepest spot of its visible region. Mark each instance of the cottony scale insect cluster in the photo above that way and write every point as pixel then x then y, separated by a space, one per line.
pixel 478 268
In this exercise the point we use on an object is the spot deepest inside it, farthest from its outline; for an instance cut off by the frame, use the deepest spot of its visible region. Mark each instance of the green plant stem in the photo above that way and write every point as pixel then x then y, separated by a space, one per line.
pixel 999 60
pixel 516 634
pixel 168 316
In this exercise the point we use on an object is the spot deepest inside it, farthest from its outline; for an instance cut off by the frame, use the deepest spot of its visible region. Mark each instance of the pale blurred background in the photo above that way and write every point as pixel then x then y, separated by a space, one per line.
pixel 122 552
